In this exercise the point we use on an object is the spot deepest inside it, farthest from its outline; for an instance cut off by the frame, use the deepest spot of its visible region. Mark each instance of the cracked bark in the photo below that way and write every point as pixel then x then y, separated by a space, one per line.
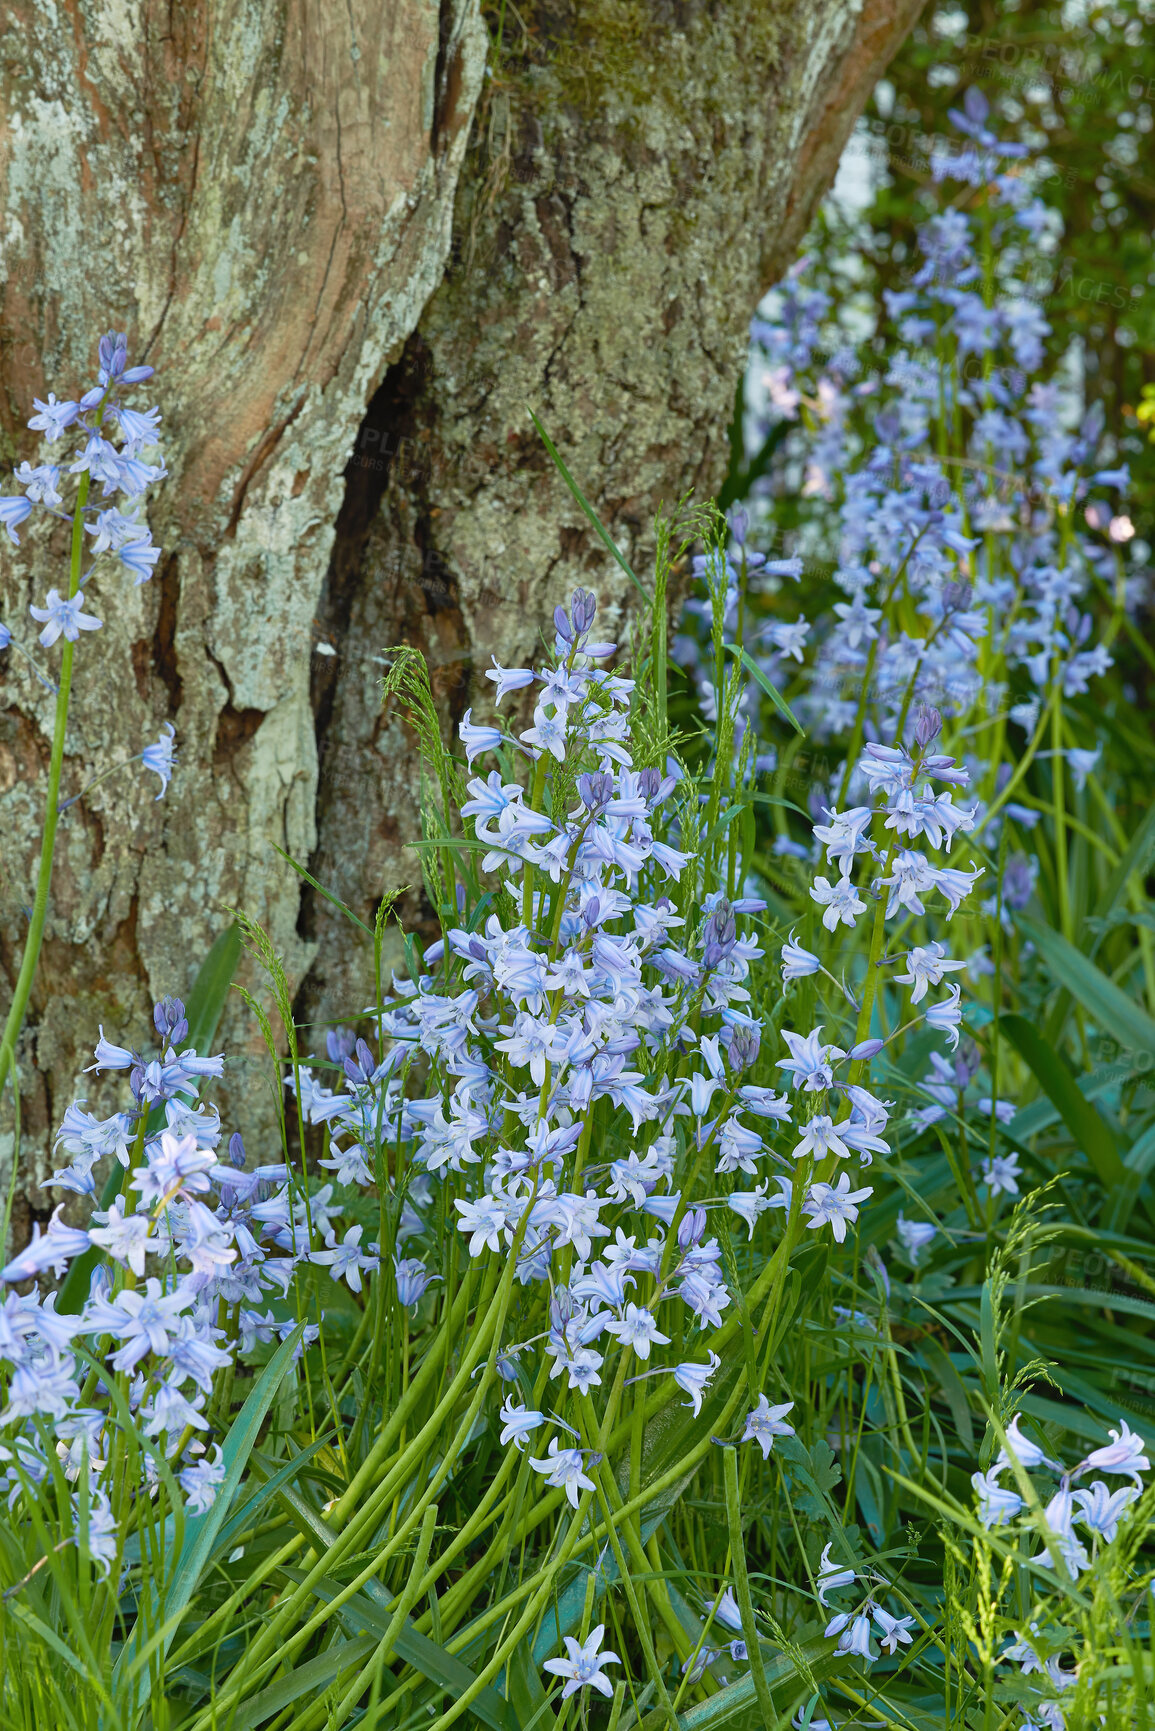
pixel 262 193
pixel 638 176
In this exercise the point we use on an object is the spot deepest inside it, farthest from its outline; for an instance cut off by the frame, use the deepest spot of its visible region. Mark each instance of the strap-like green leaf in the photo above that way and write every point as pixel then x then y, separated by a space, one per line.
pixel 1114 1012
pixel 1137 858
pixel 164 1612
pixel 321 890
pixel 1091 1131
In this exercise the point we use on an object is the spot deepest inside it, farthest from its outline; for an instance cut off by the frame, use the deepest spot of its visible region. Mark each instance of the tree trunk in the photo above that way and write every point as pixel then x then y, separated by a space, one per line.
pixel 263 195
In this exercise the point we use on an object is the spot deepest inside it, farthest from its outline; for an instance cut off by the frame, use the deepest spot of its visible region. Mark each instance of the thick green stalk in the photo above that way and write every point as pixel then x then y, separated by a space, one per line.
pixel 742 1587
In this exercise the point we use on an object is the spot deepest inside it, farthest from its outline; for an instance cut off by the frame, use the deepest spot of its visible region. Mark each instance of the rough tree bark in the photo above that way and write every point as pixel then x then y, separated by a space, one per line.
pixel 262 192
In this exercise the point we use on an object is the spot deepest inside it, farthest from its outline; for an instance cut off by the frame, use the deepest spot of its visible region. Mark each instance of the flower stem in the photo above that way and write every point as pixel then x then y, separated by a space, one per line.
pixel 36 924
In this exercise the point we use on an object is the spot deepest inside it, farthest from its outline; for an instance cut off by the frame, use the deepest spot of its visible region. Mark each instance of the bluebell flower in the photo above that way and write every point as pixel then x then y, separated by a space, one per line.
pixel 160 759
pixel 14 508
pixel 62 616
pixel 40 483
pixel 412 1278
pixel 52 418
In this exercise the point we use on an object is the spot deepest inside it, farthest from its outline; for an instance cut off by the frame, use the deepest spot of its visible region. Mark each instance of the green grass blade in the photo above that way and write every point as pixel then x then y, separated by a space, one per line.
pixel 321 890
pixel 1137 858
pixel 761 681
pixel 311 1678
pixel 601 531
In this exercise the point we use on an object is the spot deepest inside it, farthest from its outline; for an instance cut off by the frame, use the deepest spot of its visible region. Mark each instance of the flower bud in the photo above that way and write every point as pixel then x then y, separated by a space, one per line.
pixel 170 1021
pixel 744 1047
pixel 236 1150
pixel 339 1043
pixel 927 727
pixel 720 934
pixel 865 1049
pixel 691 1227
pixel 583 606
pixel 596 789
pixel 562 625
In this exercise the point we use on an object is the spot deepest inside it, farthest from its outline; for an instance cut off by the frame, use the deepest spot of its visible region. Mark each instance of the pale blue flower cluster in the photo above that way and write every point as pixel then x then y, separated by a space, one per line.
pixel 120 469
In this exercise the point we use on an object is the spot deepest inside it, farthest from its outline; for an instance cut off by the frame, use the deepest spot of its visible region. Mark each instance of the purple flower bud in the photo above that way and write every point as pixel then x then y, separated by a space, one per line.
pixel 743 1049
pixel 236 1150
pixel 113 354
pixel 967 1062
pixel 592 913
pixel 927 727
pixel 361 1067
pixel 583 606
pixel 561 1307
pixel 339 1044
pixel 865 1049
pixel 649 781
pixel 562 625
pixel 691 1227
pixel 170 1021
pixel 739 524
pixel 596 790
pixel 720 934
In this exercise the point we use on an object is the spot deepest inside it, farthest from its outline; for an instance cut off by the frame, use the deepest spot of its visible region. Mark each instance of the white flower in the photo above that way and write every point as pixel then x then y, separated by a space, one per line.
pixel 913 1235
pixel 583 1667
pixel 1027 1453
pixel 797 963
pixel 639 1329
pixel 831 1577
pixel 1124 1455
pixel 62 615
pixel 834 1205
pixel 839 902
pixel 764 1423
pixel 946 1016
pixel 819 1137
pixel 996 1503
pixel 1001 1174
pixel 894 1629
pixel 563 1469
pixel 693 1378
pixel 926 966
pixel 346 1260
pixel 518 1422
pixel 1103 1508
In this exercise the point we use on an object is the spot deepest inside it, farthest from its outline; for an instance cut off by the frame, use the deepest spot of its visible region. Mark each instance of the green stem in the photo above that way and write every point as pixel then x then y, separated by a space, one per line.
pixel 36 925
pixel 742 1587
